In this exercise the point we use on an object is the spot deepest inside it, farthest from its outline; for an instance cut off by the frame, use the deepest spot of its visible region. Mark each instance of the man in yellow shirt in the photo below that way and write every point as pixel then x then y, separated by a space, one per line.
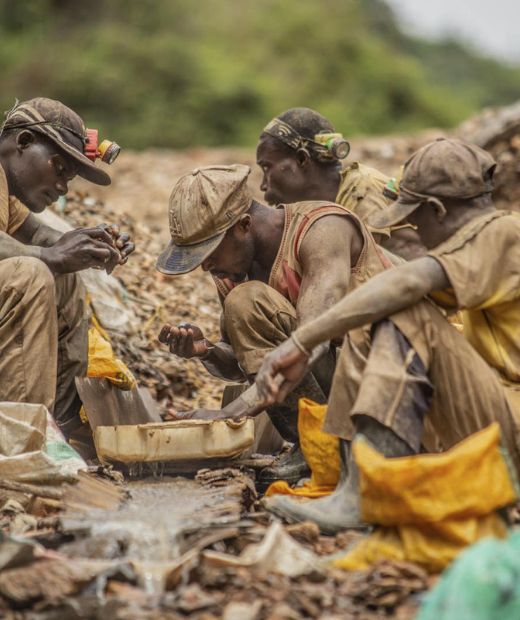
pixel 43 311
pixel 473 265
pixel 300 155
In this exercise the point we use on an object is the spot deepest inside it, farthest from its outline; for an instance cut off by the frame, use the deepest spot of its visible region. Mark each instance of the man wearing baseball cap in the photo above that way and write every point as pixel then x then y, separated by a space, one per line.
pixel 473 265
pixel 43 312
pixel 274 269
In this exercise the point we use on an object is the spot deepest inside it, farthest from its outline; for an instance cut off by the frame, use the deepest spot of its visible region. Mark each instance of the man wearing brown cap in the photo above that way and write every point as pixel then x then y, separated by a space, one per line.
pixel 473 265
pixel 300 154
pixel 274 269
pixel 43 313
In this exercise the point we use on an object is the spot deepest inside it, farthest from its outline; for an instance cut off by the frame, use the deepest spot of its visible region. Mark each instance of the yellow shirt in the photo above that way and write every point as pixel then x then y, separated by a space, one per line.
pixel 12 212
pixel 361 191
pixel 482 262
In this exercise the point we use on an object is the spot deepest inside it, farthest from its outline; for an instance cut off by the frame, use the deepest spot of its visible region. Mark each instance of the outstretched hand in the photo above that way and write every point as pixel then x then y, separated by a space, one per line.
pixel 281 371
pixel 201 414
pixel 185 340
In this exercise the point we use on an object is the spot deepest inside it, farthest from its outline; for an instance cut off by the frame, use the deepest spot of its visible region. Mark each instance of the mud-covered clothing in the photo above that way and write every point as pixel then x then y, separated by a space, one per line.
pixel 473 383
pixel 43 337
pixel 43 327
pixel 287 273
pixel 12 212
pixel 482 262
pixel 467 393
pixel 361 191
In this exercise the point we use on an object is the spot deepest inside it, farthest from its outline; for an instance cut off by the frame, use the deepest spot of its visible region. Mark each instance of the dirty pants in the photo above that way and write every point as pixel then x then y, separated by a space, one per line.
pixel 441 380
pixel 256 319
pixel 43 338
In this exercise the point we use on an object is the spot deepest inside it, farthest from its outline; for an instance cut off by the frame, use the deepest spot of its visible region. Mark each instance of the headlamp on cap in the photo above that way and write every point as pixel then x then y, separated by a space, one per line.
pixel 335 143
pixel 107 151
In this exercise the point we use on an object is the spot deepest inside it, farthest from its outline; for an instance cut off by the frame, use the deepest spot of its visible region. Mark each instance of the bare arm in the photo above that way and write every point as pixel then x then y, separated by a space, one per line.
pixel 187 340
pixel 325 255
pixel 380 297
pixel 34 232
pixel 384 295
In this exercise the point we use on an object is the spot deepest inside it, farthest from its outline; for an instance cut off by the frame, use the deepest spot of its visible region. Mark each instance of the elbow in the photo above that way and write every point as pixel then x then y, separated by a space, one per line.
pixel 410 287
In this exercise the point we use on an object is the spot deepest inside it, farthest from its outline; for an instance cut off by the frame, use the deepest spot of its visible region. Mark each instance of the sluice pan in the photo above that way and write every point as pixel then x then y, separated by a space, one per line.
pixel 182 440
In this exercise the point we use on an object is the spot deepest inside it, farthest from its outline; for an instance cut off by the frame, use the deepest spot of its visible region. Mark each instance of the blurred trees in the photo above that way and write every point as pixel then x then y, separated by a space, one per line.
pixel 178 73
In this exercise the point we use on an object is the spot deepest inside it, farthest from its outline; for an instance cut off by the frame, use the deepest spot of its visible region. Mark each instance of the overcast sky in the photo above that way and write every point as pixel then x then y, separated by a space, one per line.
pixel 493 26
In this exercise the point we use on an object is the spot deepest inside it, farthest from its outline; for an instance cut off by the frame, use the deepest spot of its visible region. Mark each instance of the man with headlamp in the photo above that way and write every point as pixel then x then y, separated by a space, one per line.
pixel 43 310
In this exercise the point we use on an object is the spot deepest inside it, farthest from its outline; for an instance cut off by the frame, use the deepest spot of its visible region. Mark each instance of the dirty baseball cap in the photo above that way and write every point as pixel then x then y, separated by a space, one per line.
pixel 60 124
pixel 204 204
pixel 445 168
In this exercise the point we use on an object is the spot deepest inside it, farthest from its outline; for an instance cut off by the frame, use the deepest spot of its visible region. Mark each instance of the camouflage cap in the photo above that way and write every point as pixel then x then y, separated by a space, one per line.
pixel 204 204
pixel 445 168
pixel 60 124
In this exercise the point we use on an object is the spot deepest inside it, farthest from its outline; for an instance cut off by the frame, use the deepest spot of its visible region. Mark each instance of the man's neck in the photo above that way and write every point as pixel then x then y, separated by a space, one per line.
pixel 268 226
pixel 324 185
pixel 458 217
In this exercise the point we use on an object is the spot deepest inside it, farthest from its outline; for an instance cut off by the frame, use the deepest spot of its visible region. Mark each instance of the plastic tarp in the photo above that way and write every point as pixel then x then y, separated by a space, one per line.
pixel 321 452
pixel 431 506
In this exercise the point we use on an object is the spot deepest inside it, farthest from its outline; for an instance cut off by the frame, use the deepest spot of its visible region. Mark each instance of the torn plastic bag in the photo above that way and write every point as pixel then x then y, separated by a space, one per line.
pixel 32 448
pixel 321 451
pixel 432 506
pixel 482 584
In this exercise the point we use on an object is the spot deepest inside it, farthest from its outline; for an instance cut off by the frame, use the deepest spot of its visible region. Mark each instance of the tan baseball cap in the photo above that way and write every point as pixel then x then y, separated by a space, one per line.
pixel 60 124
pixel 204 204
pixel 445 168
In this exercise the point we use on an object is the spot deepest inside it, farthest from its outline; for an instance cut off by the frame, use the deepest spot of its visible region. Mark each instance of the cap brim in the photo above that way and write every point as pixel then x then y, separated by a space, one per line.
pixel 392 215
pixel 86 168
pixel 179 259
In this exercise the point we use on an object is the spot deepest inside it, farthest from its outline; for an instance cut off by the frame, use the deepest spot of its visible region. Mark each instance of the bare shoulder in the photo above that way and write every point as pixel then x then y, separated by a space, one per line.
pixel 331 236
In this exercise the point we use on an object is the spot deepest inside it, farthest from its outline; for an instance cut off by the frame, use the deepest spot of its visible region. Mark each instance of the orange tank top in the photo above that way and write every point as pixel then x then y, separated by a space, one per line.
pixel 287 272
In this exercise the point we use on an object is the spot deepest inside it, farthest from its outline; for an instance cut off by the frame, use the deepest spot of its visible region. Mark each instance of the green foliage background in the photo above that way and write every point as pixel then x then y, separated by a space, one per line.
pixel 179 73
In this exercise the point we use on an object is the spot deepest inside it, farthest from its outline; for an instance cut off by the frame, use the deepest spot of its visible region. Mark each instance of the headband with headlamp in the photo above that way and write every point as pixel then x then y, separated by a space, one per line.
pixel 107 151
pixel 325 146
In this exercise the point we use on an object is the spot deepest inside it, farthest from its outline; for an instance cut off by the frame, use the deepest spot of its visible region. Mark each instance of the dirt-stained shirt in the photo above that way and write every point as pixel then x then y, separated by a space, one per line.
pixel 12 212
pixel 361 191
pixel 482 262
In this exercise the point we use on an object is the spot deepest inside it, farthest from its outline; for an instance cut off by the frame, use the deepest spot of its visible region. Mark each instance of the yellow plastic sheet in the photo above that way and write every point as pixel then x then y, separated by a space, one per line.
pixel 321 452
pixel 103 363
pixel 431 506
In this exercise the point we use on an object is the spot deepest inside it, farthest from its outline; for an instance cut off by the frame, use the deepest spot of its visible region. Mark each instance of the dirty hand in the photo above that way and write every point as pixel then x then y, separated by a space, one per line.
pixel 122 242
pixel 290 363
pixel 185 340
pixel 80 249
pixel 199 414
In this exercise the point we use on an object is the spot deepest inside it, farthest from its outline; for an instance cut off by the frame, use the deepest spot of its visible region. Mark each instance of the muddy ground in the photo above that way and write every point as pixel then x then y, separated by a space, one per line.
pixel 158 551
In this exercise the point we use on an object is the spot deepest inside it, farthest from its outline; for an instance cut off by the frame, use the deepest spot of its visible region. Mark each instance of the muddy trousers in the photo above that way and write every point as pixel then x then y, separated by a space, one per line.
pixel 256 320
pixel 43 338
pixel 451 396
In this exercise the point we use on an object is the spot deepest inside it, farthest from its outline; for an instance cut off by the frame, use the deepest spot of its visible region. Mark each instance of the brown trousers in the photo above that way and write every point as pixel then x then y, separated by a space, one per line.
pixel 257 318
pixel 386 382
pixel 43 337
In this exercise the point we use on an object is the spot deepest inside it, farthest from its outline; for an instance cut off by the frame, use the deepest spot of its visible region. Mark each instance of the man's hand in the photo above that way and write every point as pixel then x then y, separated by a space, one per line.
pixel 286 360
pixel 122 242
pixel 201 414
pixel 81 249
pixel 185 340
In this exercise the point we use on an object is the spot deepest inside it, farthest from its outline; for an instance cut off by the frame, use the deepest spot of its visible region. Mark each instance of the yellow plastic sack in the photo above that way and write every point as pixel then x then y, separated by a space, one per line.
pixel 321 452
pixel 102 362
pixel 431 506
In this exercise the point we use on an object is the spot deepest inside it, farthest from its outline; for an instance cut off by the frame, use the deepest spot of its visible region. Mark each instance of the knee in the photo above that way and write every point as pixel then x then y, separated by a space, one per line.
pixel 32 274
pixel 245 298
